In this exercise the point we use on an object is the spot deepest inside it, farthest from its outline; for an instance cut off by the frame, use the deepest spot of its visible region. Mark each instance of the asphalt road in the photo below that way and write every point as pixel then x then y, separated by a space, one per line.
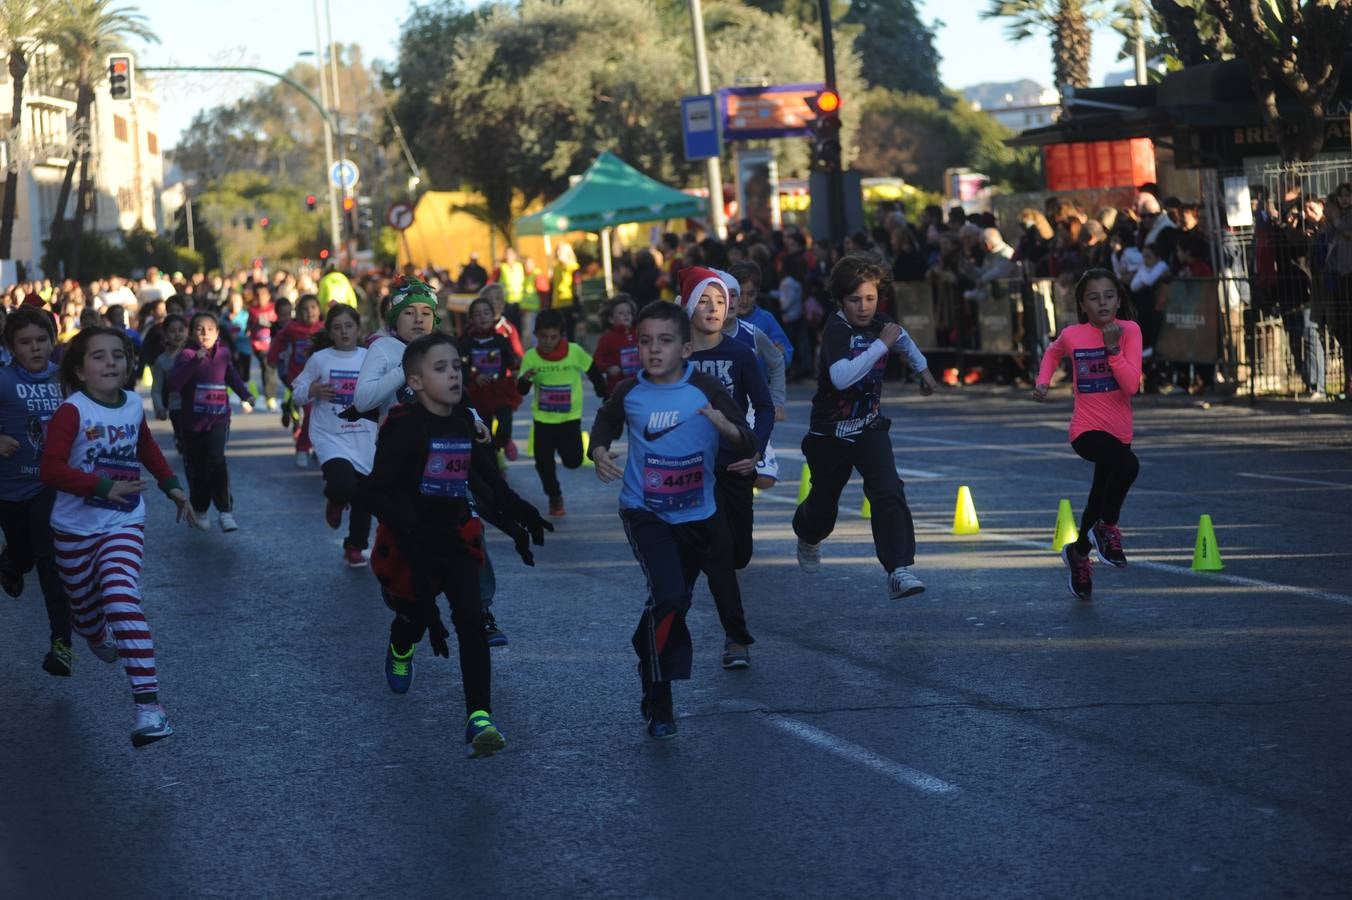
pixel 1183 735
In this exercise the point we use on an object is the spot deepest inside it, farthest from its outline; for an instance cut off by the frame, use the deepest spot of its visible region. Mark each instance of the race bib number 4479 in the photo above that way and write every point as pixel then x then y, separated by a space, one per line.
pixel 671 484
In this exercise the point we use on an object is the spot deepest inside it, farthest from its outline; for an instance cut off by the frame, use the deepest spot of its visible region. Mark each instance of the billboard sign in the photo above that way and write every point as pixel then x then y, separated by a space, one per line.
pixel 769 111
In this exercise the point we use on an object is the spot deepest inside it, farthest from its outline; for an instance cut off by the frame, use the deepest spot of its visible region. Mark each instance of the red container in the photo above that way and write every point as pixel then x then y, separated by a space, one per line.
pixel 1099 164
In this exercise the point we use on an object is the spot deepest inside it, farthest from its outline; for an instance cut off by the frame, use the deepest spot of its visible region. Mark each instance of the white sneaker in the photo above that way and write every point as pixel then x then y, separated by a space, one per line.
pixel 809 557
pixel 901 583
pixel 202 519
pixel 272 404
pixel 228 523
pixel 302 460
pixel 105 649
pixel 151 725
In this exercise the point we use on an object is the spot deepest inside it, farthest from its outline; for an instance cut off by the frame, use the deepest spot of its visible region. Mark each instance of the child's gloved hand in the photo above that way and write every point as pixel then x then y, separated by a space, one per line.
pixel 521 540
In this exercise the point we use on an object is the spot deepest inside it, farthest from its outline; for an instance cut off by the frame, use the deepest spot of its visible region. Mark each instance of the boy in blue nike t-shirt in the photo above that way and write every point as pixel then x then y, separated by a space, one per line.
pixel 676 417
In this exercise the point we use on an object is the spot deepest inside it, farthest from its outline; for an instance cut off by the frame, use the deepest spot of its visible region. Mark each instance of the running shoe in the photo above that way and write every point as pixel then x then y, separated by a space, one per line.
pixel 661 719
pixel 151 725
pixel 354 558
pixel 809 557
pixel 491 631
pixel 736 656
pixel 333 515
pixel 228 523
pixel 902 583
pixel 1107 543
pixel 12 583
pixel 399 669
pixel 482 735
pixel 272 404
pixel 556 507
pixel 1081 572
pixel 202 519
pixel 105 649
pixel 60 659
pixel 286 416
pixel 511 451
pixel 302 459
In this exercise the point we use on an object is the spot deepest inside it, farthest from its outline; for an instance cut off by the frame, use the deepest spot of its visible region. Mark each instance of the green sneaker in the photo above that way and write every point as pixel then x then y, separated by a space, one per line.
pixel 482 735
pixel 59 659
pixel 399 669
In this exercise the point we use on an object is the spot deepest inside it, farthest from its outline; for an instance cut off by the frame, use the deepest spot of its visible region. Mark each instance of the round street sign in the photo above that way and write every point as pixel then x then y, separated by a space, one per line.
pixel 344 174
pixel 399 216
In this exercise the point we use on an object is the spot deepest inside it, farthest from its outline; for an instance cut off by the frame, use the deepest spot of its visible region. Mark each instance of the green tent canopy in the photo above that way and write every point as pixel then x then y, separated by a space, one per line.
pixel 612 192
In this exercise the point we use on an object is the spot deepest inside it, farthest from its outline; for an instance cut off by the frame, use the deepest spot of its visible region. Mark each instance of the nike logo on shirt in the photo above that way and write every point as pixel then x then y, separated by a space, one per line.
pixel 661 423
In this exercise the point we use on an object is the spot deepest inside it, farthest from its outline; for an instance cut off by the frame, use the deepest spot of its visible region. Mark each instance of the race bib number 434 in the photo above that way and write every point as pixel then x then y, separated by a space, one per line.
pixel 446 473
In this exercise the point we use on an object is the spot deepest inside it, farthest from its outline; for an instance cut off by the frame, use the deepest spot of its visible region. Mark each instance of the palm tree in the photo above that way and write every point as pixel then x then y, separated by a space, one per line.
pixel 1068 23
pixel 86 31
pixel 22 24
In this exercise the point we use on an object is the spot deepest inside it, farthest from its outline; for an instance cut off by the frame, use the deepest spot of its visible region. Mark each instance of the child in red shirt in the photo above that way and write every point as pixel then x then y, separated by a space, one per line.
pixel 1106 355
pixel 489 362
pixel 617 350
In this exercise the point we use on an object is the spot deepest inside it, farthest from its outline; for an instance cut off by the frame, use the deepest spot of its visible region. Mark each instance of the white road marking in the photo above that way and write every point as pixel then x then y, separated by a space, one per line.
pixel 905 775
pixel 1336 484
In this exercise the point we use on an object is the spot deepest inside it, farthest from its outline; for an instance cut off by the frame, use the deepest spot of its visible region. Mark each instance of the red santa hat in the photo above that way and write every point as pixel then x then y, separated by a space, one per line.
pixel 694 279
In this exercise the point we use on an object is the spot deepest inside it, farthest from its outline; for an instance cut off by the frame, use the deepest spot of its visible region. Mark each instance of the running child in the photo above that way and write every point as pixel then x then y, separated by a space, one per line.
pixel 96 444
pixel 555 366
pixel 202 376
pixel 30 393
pixel 1105 349
pixel 498 296
pixel 848 431
pixel 288 354
pixel 774 365
pixel 489 364
pixel 704 297
pixel 429 476
pixel 678 418
pixel 345 448
pixel 411 313
pixel 617 349
pixel 168 404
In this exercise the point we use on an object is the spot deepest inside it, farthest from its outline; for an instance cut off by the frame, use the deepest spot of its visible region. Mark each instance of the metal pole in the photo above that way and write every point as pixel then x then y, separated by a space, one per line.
pixel 606 265
pixel 713 166
pixel 349 235
pixel 335 224
pixel 835 178
pixel 187 210
pixel 1142 77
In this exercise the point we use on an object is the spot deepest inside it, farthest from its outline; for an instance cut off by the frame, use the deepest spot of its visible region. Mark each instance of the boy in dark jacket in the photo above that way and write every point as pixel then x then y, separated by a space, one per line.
pixel 423 487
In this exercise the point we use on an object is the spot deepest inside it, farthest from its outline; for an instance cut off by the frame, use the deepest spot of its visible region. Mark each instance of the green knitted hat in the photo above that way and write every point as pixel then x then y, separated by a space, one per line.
pixel 407 292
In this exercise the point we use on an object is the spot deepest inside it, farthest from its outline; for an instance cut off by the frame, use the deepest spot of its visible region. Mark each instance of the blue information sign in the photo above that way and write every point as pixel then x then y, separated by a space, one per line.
pixel 700 127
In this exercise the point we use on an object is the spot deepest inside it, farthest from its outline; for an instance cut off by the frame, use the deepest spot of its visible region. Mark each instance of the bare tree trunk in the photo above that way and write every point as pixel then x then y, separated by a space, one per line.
pixel 83 107
pixel 58 229
pixel 18 70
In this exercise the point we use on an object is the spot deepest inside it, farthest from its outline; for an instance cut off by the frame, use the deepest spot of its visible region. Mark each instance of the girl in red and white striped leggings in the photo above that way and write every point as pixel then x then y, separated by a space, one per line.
pixel 96 443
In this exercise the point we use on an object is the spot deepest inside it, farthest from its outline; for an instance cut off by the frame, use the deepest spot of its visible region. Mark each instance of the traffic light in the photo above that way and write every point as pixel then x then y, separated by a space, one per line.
pixel 350 214
pixel 263 222
pixel 324 254
pixel 826 131
pixel 120 80
pixel 310 202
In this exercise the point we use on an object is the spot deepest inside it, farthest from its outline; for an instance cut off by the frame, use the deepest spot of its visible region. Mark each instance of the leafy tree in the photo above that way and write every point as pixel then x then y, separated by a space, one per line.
pixel 85 32
pixel 1188 32
pixel 895 48
pixel 917 138
pixel 1294 49
pixel 23 25
pixel 426 44
pixel 1067 21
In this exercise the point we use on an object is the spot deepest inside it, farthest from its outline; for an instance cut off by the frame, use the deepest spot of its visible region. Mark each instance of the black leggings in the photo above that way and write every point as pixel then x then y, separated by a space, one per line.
pixel 204 464
pixel 28 545
pixel 341 481
pixel 458 579
pixel 564 438
pixel 1115 468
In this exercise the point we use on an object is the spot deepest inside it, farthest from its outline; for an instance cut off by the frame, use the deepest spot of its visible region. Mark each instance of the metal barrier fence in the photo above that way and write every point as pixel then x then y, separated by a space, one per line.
pixel 1200 330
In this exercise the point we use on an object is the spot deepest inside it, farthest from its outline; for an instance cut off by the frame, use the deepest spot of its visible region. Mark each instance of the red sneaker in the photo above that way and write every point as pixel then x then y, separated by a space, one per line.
pixel 333 515
pixel 556 507
pixel 355 558
pixel 511 451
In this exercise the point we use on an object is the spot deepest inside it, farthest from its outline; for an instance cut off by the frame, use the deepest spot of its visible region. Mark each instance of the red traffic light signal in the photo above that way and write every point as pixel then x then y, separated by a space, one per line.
pixel 349 204
pixel 263 222
pixel 324 254
pixel 120 76
pixel 828 102
pixel 310 202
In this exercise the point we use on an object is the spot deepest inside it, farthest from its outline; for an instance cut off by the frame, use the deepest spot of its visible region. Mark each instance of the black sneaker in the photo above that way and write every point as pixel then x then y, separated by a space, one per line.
pixel 1107 543
pixel 59 659
pixel 1081 572
pixel 11 582
pixel 658 711
pixel 736 656
pixel 491 631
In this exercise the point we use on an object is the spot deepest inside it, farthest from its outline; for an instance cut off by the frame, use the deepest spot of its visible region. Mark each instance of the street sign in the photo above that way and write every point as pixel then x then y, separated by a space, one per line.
pixel 399 216
pixel 772 111
pixel 699 127
pixel 344 174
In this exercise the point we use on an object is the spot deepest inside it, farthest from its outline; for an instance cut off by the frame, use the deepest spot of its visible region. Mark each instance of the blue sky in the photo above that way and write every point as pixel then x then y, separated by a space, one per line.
pixel 270 34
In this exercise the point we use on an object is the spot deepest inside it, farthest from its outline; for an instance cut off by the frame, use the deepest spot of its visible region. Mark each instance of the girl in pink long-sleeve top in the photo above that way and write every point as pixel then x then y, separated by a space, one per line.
pixel 1105 351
